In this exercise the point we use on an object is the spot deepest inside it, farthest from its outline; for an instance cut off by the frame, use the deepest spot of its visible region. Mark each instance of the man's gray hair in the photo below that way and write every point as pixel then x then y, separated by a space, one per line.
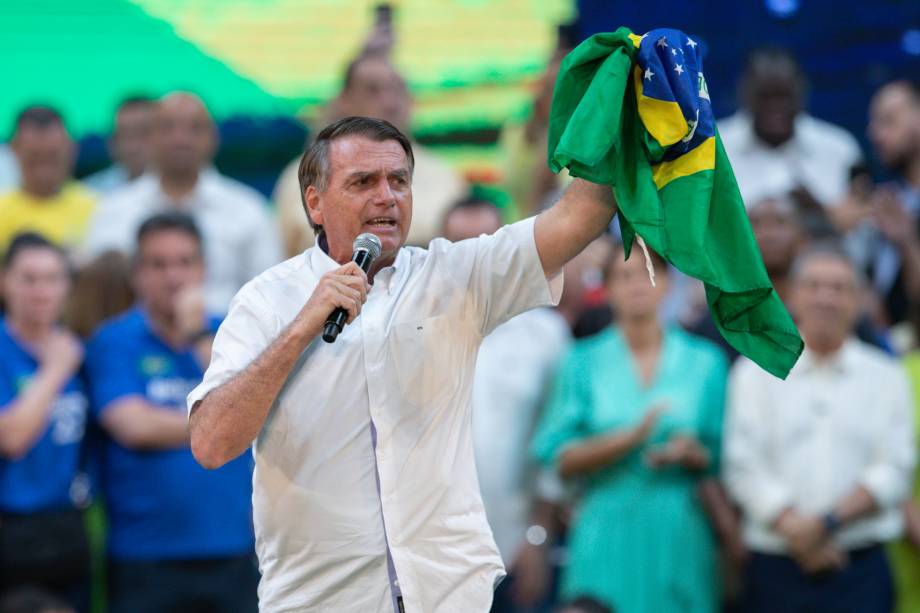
pixel 314 165
pixel 826 250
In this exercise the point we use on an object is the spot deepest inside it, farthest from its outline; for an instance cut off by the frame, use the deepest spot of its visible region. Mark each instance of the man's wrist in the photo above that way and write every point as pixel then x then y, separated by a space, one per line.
pixel 831 523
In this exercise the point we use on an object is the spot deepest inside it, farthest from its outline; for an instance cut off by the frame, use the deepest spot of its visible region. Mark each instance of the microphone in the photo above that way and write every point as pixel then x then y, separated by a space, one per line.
pixel 366 249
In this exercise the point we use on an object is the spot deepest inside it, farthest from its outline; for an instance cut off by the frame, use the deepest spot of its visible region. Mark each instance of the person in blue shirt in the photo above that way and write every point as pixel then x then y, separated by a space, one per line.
pixel 180 537
pixel 43 406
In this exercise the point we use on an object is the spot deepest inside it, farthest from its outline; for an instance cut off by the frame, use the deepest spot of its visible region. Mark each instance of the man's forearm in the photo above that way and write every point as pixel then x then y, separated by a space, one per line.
pixel 857 504
pixel 229 418
pixel 596 453
pixel 581 215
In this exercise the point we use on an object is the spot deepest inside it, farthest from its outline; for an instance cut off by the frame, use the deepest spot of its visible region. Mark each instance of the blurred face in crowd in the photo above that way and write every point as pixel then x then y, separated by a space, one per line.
pixel 377 90
pixel 35 286
pixel 184 137
pixel 894 126
pixel 131 144
pixel 46 157
pixel 778 232
pixel 631 293
pixel 470 222
pixel 168 261
pixel 369 189
pixel 773 96
pixel 825 301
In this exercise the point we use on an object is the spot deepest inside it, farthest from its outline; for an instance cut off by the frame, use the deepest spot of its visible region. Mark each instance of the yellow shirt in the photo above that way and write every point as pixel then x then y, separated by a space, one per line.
pixel 61 219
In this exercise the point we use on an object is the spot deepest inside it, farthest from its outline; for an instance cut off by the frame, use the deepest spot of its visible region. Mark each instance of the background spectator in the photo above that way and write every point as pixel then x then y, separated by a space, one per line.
pixel 43 407
pixel 129 146
pixel 776 148
pixel 178 534
pixel 373 87
pixel 101 290
pixel 240 239
pixel 820 463
pixel 47 201
pixel 636 414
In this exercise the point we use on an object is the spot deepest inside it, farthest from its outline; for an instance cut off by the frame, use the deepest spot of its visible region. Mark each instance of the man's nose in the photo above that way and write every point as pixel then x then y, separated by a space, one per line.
pixel 384 192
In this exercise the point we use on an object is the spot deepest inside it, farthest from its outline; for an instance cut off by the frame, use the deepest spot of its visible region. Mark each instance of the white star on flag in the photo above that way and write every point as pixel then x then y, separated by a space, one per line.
pixel 673 51
pixel 662 42
pixel 649 74
pixel 692 43
pixel 678 69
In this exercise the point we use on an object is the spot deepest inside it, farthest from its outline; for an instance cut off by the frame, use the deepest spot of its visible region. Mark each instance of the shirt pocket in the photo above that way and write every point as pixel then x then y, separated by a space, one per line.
pixel 425 358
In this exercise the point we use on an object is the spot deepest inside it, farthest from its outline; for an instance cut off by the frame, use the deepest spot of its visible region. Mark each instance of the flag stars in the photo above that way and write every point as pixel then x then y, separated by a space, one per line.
pixel 649 74
pixel 692 43
pixel 662 42
pixel 673 51
pixel 678 69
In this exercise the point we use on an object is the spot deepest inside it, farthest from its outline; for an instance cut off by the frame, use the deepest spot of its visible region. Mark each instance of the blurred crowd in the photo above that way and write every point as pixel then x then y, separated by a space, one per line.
pixel 629 460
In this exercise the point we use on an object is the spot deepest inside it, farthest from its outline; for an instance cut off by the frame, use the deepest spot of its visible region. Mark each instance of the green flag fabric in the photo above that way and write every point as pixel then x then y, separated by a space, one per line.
pixel 634 112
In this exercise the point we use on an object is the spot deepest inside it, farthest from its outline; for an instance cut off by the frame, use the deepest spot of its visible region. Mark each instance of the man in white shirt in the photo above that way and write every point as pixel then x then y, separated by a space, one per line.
pixel 821 462
pixel 365 489
pixel 515 366
pixel 240 238
pixel 129 146
pixel 775 147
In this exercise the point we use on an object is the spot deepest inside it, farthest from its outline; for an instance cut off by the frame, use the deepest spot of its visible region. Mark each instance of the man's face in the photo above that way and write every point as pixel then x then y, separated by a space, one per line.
pixel 131 141
pixel 183 135
pixel 774 99
pixel 778 233
pixel 369 190
pixel 471 222
pixel 36 285
pixel 168 262
pixel 378 91
pixel 46 156
pixel 825 301
pixel 894 126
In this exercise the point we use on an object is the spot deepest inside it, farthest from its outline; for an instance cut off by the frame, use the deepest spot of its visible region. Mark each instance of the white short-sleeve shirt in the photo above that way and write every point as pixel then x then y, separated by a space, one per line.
pixel 406 363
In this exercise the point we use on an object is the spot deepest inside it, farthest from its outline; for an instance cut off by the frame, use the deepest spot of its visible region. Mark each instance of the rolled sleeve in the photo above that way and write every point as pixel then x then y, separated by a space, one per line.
pixel 503 273
pixel 244 334
pixel 888 478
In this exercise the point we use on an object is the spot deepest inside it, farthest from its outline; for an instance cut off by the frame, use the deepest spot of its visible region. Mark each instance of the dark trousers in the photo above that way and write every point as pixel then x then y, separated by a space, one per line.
pixel 775 584
pixel 221 585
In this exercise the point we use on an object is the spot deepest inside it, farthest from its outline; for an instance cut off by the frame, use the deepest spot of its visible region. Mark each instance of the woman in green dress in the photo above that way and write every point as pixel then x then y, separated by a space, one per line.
pixel 636 417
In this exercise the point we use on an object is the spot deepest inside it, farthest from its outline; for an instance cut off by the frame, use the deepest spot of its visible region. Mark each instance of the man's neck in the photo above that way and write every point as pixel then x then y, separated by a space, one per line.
pixel 166 327
pixel 41 192
pixel 822 349
pixel 178 186
pixel 28 331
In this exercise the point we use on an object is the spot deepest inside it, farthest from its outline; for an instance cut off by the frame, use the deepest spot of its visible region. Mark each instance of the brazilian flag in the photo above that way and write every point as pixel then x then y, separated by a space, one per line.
pixel 634 112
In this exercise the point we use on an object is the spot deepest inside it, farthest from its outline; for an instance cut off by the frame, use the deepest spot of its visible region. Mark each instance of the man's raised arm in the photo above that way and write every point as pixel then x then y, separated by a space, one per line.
pixel 582 214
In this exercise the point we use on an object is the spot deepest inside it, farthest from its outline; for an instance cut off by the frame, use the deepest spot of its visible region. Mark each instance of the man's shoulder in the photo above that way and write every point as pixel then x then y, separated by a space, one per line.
pixel 871 360
pixel 237 194
pixel 294 272
pixel 826 135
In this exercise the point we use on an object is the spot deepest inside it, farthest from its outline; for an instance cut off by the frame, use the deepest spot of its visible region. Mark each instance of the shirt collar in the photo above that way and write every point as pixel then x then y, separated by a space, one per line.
pixel 843 361
pixel 321 263
pixel 208 177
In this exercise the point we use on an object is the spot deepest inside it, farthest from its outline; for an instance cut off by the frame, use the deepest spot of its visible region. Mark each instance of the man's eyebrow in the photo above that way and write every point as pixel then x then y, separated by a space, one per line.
pixel 361 174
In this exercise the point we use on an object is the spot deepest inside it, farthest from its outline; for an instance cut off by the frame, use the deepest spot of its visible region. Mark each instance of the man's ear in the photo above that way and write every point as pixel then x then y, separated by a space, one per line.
pixel 313 205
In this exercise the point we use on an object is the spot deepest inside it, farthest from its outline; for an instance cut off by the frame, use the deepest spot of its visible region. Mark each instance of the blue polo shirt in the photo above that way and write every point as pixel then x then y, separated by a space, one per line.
pixel 40 480
pixel 162 505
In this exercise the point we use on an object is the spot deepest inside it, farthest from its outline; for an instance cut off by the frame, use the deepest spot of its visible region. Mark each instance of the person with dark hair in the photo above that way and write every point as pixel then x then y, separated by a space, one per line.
pixel 820 463
pixel 887 245
pixel 179 537
pixel 241 239
pixel 514 364
pixel 101 290
pixel 32 600
pixel 373 87
pixel 129 145
pixel 47 199
pixel 776 148
pixel 365 488
pixel 43 408
pixel 643 440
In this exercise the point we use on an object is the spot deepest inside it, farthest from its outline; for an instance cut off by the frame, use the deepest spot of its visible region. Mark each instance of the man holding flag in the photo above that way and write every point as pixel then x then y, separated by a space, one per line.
pixel 365 489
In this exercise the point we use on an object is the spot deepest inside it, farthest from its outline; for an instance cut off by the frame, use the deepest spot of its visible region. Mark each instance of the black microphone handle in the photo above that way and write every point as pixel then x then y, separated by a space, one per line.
pixel 336 320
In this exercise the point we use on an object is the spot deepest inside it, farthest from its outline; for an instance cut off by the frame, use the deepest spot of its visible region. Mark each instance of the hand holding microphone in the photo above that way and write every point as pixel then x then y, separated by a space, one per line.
pixel 340 293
